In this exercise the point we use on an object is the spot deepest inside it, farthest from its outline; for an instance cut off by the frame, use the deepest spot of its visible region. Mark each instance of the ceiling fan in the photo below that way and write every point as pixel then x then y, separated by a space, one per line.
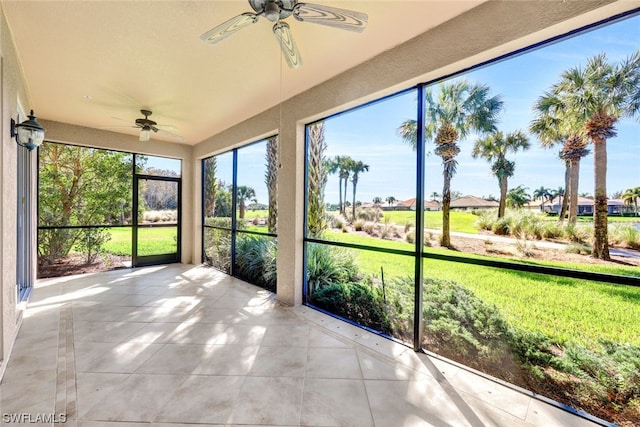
pixel 279 10
pixel 147 126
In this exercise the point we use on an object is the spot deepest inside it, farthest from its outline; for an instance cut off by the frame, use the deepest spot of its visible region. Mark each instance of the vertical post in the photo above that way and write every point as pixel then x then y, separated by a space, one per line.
pixel 134 213
pixel 419 233
pixel 234 208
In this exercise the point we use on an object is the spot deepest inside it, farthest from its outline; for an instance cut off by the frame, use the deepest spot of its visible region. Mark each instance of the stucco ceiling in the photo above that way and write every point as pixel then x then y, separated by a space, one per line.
pixel 97 63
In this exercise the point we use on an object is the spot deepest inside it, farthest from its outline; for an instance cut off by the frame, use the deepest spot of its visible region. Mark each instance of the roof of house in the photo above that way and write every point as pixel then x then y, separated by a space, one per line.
pixel 411 203
pixel 473 202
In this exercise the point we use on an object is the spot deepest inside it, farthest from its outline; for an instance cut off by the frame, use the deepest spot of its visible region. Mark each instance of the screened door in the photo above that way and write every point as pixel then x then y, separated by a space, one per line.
pixel 156 230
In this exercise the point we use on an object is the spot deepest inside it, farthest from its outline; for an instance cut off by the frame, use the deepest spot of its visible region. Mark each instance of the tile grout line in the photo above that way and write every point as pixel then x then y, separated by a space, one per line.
pixel 65 399
pixel 60 398
pixel 72 403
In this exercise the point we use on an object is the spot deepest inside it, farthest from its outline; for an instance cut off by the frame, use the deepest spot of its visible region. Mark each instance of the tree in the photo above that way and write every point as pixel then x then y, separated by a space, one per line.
pixel 271 179
pixel 630 197
pixel 435 196
pixel 357 167
pixel 458 109
pixel 390 200
pixel 556 124
pixel 494 148
pixel 557 193
pixel 72 192
pixel 377 201
pixel 243 194
pixel 598 95
pixel 342 166
pixel 518 197
pixel 317 180
pixel 542 194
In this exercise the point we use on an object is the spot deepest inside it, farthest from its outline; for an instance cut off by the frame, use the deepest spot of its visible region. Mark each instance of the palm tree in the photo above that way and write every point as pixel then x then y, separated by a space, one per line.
pixel 542 194
pixel 555 124
pixel 331 167
pixel 271 179
pixel 243 194
pixel 518 197
pixel 317 179
pixel 598 95
pixel 630 197
pixel 377 201
pixel 390 200
pixel 435 196
pixel 210 186
pixel 494 148
pixel 559 192
pixel 342 166
pixel 459 109
pixel 357 167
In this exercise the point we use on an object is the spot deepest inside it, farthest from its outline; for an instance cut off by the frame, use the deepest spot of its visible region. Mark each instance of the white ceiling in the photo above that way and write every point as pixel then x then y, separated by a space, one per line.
pixel 97 63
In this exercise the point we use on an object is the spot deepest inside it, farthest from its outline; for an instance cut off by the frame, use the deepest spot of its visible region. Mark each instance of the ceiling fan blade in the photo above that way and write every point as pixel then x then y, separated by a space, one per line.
pixel 229 27
pixel 287 44
pixel 168 134
pixel 331 16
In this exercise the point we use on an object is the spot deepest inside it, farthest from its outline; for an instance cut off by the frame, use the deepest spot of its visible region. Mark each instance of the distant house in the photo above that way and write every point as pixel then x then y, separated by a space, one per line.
pixel 585 206
pixel 429 205
pixel 473 202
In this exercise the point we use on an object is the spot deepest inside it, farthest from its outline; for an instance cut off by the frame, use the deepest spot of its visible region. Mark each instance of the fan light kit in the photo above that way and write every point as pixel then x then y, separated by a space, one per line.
pixel 146 126
pixel 278 10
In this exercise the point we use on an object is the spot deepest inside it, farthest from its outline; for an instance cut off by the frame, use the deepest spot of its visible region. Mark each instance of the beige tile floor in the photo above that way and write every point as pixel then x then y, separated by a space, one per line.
pixel 184 345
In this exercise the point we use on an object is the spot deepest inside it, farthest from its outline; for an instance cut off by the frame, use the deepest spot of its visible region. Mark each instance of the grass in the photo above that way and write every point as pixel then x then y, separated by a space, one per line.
pixel 151 241
pixel 463 222
pixel 565 309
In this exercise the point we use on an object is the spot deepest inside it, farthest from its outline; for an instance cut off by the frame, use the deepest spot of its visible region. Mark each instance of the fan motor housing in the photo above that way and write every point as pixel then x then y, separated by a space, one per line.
pixel 284 6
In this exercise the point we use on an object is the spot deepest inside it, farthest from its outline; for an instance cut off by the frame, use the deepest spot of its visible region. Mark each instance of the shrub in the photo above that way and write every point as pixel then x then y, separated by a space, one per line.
pixel 328 265
pixel 578 233
pixel 217 249
pixel 460 323
pixel 578 248
pixel 369 214
pixel 337 221
pixel 91 241
pixel 369 227
pixel 354 301
pixel 501 226
pixel 358 224
pixel 625 235
pixel 256 260
pixel 486 219
pixel 410 236
pixel 552 230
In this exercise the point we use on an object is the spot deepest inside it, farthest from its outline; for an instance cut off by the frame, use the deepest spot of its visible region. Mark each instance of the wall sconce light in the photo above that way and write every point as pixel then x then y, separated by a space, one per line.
pixel 29 133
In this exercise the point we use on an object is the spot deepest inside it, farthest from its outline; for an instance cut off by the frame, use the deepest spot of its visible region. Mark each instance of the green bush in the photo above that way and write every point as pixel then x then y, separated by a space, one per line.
pixel 455 316
pixel 256 260
pixel 624 235
pixel 354 301
pixel 328 265
pixel 91 242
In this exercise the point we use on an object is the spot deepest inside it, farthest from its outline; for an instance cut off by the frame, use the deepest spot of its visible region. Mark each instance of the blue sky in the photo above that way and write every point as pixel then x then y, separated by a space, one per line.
pixel 369 133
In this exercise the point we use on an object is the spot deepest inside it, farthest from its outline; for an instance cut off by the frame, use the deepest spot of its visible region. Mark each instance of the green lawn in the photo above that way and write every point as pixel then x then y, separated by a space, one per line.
pixel 151 241
pixel 564 308
pixel 463 222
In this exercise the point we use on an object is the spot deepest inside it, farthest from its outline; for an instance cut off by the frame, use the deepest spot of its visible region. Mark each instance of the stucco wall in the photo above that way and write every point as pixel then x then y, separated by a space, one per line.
pixel 13 90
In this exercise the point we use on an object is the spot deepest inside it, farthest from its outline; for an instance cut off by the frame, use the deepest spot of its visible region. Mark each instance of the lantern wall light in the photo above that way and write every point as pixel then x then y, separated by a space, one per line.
pixel 29 133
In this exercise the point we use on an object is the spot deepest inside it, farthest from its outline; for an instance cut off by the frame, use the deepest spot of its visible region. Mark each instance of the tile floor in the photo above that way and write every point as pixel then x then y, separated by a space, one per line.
pixel 184 345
